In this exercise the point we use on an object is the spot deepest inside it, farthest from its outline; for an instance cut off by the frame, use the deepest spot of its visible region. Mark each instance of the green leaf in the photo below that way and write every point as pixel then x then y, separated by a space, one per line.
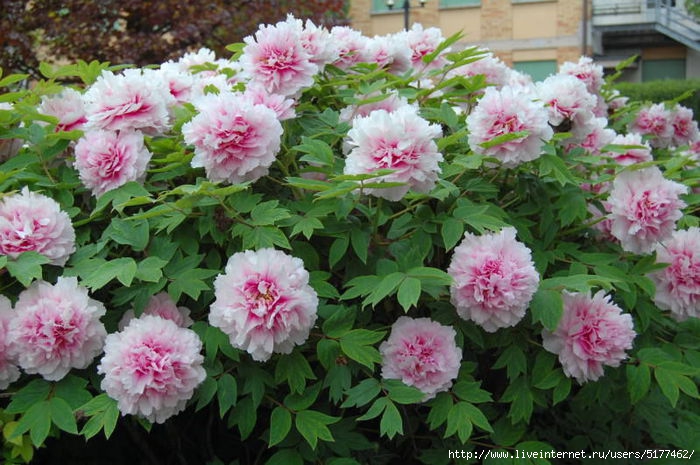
pixel 36 420
pixel 356 344
pixel 103 413
pixel 470 391
pixel 268 213
pixel 547 307
pixel 317 151
pixel 304 400
pixel 477 417
pixel 27 267
pixel 513 359
pixel 286 457
pixel 562 390
pixel 33 393
pixel 313 425
pixel 401 393
pixel 295 369
pixel 638 381
pixel 134 233
pixel 150 269
pixel 408 293
pixel 375 410
pixel 62 415
pixel 362 393
pixel 226 393
pixel 503 138
pixel 440 407
pixel 123 269
pixel 391 423
pixel 190 282
pixel 72 389
pixel 280 425
pixel 245 415
pixel 340 322
pixel 385 287
pixel 452 231
pixel 458 422
pixel 206 392
pixel 359 239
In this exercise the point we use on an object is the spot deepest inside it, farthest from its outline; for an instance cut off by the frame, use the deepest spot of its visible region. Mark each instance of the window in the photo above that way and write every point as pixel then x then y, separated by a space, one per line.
pixel 458 3
pixel 379 6
pixel 538 70
pixel 653 70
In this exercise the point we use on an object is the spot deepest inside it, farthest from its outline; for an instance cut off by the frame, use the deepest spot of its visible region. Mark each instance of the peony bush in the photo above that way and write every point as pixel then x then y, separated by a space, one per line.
pixel 333 248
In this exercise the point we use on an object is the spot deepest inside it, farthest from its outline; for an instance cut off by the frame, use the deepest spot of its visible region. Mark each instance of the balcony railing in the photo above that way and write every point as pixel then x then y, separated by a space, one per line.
pixel 665 16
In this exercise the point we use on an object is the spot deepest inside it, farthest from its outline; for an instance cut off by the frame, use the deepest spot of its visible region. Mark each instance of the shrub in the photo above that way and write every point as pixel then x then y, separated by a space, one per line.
pixel 412 251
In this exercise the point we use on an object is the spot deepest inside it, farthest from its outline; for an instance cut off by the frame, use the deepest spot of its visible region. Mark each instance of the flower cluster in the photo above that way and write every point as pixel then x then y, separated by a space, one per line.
pixel 286 207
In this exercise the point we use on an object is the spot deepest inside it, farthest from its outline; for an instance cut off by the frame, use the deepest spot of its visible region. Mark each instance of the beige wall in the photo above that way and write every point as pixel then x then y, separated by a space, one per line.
pixel 545 30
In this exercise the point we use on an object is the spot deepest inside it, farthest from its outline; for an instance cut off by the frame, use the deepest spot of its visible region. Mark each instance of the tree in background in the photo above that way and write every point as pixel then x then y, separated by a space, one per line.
pixel 137 31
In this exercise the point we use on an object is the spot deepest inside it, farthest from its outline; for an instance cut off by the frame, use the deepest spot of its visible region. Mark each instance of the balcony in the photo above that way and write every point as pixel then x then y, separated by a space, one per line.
pixel 644 22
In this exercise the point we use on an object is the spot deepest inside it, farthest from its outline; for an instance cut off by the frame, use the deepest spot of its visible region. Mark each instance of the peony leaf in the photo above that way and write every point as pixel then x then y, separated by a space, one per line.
pixel 391 423
pixel 280 424
pixel 27 267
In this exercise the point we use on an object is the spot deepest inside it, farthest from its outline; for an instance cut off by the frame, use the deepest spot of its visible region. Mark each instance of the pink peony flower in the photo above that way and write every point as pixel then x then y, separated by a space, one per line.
pixel 504 112
pixel 161 305
pixel 685 128
pixel 234 140
pixel 315 40
pixel 388 53
pixel 56 328
pixel 152 367
pixel 34 222
pixel 569 104
pixel 281 105
pixel 9 373
pixel 678 285
pixel 638 151
pixel 180 83
pixel 422 42
pixel 132 100
pixel 422 353
pixel 264 302
pixel 654 122
pixel 592 332
pixel 598 137
pixel 401 141
pixel 644 208
pixel 276 59
pixel 351 46
pixel 67 107
pixel 586 71
pixel 106 160
pixel 494 279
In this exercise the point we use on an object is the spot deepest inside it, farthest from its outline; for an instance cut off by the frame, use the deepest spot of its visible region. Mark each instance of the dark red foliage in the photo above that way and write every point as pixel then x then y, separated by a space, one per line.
pixel 139 32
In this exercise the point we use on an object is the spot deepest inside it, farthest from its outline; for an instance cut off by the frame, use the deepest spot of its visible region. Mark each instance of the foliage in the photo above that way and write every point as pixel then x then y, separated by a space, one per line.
pixel 137 32
pixel 370 261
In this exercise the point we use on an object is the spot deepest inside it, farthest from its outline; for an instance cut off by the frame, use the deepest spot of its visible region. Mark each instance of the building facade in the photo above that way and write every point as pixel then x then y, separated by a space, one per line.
pixel 536 36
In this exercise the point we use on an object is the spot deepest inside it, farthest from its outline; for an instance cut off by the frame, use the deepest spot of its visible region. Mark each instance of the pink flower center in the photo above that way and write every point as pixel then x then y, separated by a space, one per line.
pixel 486 280
pixel 152 365
pixel 505 124
pixel 417 356
pixel 54 333
pixel 686 272
pixel 235 138
pixel 646 211
pixel 264 301
pixel 394 154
